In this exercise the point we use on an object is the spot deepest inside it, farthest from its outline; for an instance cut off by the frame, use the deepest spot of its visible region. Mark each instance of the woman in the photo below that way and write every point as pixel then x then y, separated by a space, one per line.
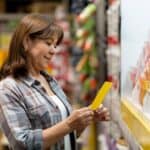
pixel 34 111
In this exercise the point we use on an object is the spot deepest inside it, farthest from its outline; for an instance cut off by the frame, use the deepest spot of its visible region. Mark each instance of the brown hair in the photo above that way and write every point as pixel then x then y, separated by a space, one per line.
pixel 32 26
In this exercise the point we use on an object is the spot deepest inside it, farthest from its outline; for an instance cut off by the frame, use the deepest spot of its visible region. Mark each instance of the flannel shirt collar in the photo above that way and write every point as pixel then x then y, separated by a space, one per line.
pixel 29 80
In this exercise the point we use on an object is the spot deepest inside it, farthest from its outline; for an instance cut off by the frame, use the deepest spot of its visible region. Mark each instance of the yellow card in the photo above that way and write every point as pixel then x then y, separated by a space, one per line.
pixel 101 95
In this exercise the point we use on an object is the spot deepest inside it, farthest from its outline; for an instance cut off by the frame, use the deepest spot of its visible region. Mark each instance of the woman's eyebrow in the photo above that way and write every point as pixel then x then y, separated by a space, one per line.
pixel 50 40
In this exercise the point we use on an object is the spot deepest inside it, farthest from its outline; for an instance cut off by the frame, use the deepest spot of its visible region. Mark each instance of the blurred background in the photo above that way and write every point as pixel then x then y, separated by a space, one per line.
pixel 96 47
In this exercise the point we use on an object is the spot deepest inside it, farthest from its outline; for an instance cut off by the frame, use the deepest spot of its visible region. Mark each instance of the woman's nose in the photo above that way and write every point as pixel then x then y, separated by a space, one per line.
pixel 52 49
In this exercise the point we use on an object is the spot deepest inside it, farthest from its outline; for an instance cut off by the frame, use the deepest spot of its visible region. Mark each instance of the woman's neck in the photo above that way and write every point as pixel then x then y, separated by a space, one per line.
pixel 33 71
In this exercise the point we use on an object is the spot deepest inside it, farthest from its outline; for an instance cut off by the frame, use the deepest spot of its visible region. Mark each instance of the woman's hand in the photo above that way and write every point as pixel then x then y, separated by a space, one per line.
pixel 101 114
pixel 80 118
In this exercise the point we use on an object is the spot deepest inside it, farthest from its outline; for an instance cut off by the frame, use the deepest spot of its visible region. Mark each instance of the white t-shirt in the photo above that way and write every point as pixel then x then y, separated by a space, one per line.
pixel 67 143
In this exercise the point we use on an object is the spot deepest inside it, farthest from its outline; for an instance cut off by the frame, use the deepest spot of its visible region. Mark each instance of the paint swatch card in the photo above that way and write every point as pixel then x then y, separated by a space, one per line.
pixel 101 95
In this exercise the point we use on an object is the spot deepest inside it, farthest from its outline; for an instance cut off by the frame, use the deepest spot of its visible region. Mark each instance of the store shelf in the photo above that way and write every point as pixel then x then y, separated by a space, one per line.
pixel 11 16
pixel 138 124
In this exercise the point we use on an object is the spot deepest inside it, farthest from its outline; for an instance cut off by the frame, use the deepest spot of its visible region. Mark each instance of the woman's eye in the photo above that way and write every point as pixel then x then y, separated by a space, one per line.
pixel 48 43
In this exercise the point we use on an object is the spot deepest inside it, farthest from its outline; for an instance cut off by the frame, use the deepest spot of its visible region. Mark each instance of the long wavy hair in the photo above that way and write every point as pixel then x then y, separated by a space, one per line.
pixel 32 26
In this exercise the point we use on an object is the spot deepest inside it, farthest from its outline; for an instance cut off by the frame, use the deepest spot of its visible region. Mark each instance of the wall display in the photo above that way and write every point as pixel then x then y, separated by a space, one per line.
pixel 135 69
pixel 136 53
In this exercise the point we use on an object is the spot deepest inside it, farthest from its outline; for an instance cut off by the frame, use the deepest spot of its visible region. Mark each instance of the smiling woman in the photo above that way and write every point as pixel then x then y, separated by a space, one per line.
pixel 39 53
pixel 32 29
pixel 34 111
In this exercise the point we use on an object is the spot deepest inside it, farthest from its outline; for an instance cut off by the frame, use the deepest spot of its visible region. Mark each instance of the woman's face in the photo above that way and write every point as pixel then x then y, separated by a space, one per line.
pixel 40 53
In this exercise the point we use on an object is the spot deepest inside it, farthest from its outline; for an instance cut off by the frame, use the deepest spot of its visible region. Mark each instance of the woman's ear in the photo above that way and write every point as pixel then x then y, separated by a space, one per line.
pixel 27 43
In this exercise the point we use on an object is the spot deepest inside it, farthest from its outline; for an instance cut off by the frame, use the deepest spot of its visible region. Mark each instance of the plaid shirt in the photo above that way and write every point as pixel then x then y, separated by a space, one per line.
pixel 26 109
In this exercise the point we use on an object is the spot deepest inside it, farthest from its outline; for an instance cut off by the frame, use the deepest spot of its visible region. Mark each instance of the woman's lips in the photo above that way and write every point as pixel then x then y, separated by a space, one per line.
pixel 48 58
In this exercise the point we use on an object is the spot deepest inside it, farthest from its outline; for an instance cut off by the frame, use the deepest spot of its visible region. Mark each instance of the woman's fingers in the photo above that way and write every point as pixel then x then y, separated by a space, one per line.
pixel 87 121
pixel 102 114
pixel 107 118
pixel 80 118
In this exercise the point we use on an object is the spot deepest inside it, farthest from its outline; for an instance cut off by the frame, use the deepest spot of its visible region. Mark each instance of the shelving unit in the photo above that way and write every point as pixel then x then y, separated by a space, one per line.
pixel 138 124
pixel 135 70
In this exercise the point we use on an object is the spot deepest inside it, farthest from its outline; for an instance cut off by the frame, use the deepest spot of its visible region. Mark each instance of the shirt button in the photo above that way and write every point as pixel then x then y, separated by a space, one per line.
pixel 36 82
pixel 43 89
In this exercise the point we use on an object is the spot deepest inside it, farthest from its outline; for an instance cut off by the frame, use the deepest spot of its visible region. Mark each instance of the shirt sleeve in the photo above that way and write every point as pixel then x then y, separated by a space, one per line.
pixel 16 125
